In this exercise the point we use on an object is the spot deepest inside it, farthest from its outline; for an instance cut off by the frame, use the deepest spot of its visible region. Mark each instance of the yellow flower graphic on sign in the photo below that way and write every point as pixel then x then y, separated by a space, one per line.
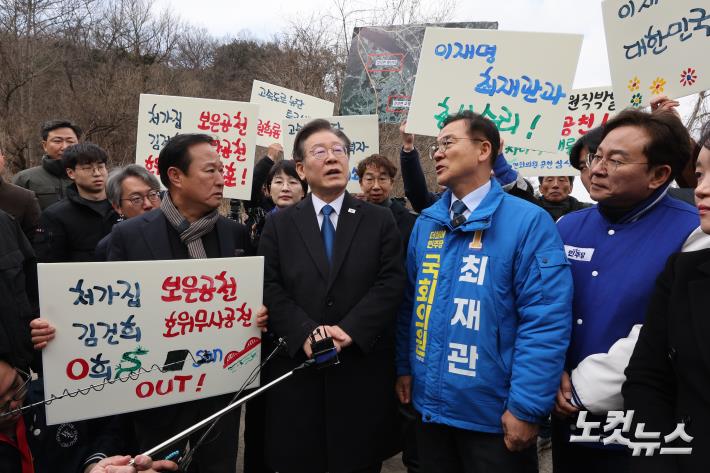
pixel 658 86
pixel 634 84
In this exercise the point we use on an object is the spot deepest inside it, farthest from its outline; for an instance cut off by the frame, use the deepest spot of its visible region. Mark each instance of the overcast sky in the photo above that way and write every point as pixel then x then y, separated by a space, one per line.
pixel 264 18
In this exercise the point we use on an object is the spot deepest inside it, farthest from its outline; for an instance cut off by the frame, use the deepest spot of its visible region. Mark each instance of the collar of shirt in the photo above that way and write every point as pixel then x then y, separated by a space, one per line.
pixel 472 200
pixel 337 204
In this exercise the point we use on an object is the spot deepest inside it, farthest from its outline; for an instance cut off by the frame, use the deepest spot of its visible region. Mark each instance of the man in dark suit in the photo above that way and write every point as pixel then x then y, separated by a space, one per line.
pixel 187 225
pixel 19 202
pixel 334 266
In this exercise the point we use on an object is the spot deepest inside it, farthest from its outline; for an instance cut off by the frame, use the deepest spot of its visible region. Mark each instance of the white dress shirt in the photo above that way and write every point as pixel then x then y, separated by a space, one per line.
pixel 337 204
pixel 471 200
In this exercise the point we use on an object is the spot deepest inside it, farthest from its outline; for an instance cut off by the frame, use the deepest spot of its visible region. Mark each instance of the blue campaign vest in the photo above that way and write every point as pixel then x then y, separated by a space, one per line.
pixel 615 266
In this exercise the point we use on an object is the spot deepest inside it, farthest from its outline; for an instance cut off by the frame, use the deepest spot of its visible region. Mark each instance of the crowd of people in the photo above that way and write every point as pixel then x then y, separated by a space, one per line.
pixel 469 322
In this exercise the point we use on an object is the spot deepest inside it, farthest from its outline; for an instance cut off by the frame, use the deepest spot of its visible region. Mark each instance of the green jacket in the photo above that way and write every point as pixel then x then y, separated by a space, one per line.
pixel 48 181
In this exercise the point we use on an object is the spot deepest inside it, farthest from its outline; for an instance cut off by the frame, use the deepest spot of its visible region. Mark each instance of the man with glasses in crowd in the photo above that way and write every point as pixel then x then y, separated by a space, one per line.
pixel 333 268
pixel 49 180
pixel 485 323
pixel 376 174
pixel 70 229
pixel 617 249
pixel 132 191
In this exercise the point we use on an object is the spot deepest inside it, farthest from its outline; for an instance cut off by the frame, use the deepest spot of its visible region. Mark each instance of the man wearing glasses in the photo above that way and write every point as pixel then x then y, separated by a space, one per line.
pixel 485 323
pixel 617 249
pixel 70 229
pixel 132 191
pixel 376 174
pixel 333 268
pixel 15 455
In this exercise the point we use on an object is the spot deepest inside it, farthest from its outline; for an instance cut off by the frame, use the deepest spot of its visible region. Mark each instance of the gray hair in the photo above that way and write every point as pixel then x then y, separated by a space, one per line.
pixel 118 175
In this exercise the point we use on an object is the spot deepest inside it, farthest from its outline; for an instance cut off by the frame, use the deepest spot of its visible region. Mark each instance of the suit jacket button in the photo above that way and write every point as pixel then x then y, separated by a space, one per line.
pixel 329 303
pixel 672 353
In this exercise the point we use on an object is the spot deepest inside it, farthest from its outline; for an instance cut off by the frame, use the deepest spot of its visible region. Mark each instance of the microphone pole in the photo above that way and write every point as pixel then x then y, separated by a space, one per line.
pixel 185 433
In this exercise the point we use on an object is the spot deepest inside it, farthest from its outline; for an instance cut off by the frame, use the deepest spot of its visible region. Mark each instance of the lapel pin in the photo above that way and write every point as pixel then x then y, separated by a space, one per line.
pixel 352 211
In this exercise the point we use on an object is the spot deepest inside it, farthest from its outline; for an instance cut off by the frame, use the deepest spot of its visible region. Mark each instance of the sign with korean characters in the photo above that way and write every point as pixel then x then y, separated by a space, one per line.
pixel 231 124
pixel 521 81
pixel 137 335
pixel 657 47
pixel 586 109
pixel 279 103
pixel 362 130
pixel 382 65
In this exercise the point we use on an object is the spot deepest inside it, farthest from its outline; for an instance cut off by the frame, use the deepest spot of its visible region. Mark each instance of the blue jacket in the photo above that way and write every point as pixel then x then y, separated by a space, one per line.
pixel 485 323
pixel 615 266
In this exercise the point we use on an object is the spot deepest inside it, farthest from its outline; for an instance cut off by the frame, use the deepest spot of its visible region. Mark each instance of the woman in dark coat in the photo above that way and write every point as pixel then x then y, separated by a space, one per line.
pixel 668 377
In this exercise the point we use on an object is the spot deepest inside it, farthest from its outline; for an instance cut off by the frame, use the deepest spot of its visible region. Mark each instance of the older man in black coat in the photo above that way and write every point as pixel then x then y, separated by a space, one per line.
pixel 334 266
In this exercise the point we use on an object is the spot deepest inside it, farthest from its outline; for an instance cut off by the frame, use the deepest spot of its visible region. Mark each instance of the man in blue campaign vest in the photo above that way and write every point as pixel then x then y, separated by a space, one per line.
pixel 485 323
pixel 617 250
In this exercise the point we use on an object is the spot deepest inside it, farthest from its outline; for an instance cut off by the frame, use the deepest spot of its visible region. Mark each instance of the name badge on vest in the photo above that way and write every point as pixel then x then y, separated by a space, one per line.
pixel 579 254
pixel 477 241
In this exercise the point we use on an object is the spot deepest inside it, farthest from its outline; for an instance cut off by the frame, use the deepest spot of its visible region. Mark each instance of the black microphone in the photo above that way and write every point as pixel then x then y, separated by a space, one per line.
pixel 325 354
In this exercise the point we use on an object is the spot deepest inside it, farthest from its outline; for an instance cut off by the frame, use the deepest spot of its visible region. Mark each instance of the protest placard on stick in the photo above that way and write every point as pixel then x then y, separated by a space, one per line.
pixel 503 75
pixel 137 335
pixel 231 124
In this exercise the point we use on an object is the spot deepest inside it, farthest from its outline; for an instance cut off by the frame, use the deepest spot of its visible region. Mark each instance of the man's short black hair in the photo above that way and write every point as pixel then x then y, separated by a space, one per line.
pixel 542 178
pixel 478 124
pixel 176 154
pixel 50 125
pixel 669 140
pixel 83 153
pixel 310 128
pixel 591 140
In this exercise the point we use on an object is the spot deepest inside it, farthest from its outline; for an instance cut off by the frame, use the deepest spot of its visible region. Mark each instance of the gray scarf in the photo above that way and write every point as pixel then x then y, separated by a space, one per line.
pixel 190 233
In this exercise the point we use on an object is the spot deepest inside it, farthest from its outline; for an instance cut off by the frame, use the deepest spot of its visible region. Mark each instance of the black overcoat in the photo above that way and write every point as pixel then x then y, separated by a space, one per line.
pixel 668 377
pixel 342 418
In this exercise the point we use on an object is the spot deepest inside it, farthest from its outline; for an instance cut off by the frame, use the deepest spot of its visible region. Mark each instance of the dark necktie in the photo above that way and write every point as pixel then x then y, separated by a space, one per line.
pixel 327 230
pixel 458 208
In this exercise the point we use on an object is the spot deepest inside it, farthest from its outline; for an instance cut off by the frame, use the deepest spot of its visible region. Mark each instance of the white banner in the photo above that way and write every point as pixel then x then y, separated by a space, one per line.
pixel 232 124
pixel 657 47
pixel 506 76
pixel 586 109
pixel 362 130
pixel 279 103
pixel 137 335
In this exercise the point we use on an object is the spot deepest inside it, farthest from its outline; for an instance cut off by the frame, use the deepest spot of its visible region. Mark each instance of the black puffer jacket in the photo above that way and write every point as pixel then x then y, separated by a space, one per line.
pixel 70 229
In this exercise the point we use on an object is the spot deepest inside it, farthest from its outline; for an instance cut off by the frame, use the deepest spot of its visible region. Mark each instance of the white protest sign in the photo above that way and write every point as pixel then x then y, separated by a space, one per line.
pixel 231 124
pixel 657 47
pixel 586 109
pixel 362 130
pixel 510 77
pixel 148 333
pixel 279 103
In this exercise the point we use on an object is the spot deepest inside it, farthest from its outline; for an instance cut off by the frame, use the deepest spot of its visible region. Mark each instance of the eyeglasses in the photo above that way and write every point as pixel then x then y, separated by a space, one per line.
pixel 382 180
pixel 446 143
pixel 100 167
pixel 20 391
pixel 321 152
pixel 286 183
pixel 137 200
pixel 609 163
